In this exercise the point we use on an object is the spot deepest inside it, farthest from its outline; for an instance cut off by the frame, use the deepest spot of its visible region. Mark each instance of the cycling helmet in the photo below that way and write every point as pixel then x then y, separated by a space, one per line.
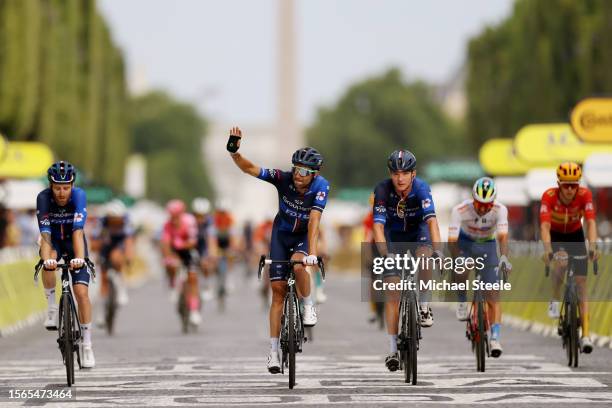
pixel 401 160
pixel 307 156
pixel 200 205
pixel 569 172
pixel 484 190
pixel 175 207
pixel 116 208
pixel 61 172
pixel 223 204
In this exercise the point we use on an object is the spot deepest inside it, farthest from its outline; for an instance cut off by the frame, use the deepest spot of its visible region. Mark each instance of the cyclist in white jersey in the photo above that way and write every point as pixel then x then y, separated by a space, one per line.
pixel 477 226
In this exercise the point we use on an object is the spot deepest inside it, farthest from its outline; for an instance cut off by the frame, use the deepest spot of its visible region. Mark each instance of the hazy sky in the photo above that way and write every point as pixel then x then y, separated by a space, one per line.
pixel 221 54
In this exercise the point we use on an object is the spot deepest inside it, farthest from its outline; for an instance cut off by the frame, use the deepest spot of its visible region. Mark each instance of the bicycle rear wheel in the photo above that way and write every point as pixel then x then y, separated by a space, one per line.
pixel 573 335
pixel 66 337
pixel 480 338
pixel 292 339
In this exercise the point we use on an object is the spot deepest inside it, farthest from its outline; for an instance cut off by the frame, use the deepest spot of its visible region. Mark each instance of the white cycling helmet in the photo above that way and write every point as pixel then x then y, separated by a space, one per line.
pixel 200 205
pixel 116 208
pixel 223 204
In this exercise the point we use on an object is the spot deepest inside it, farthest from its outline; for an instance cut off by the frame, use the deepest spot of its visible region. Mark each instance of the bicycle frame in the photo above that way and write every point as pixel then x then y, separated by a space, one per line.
pixel 291 341
pixel 410 329
pixel 74 332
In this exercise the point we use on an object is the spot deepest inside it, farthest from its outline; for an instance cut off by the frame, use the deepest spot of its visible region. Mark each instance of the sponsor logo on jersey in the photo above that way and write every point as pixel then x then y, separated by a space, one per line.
pixel 426 203
pixel 78 217
pixel 321 195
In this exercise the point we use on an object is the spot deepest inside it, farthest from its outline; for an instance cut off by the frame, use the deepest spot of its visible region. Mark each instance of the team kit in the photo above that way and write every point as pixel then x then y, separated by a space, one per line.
pixel 402 211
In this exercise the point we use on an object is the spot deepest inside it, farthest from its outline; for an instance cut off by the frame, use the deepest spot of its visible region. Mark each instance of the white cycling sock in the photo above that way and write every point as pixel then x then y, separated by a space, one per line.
pixel 424 306
pixel 307 300
pixel 274 343
pixel 86 334
pixel 393 343
pixel 50 295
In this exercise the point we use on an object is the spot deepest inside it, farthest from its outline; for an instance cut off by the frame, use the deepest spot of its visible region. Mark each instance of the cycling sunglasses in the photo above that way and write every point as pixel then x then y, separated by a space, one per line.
pixel 483 207
pixel 302 171
pixel 569 186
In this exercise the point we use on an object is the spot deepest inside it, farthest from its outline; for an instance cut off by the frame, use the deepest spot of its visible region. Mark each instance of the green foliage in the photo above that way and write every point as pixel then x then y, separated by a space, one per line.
pixel 169 134
pixel 537 64
pixel 62 83
pixel 375 117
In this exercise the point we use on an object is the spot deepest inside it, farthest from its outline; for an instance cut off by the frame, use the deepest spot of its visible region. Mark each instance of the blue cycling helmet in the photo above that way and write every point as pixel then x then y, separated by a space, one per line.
pixel 307 156
pixel 401 160
pixel 61 172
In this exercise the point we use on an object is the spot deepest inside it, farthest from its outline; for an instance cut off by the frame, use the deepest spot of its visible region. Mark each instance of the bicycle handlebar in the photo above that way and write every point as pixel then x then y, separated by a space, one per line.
pixel 263 261
pixel 573 257
pixel 63 266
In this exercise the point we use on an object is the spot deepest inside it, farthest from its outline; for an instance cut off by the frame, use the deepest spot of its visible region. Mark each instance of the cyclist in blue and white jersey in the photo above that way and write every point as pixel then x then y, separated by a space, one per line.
pixel 302 196
pixel 61 210
pixel 404 212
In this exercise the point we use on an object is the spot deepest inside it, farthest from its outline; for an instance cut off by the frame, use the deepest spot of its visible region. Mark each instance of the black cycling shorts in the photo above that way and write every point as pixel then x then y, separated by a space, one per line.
pixel 574 244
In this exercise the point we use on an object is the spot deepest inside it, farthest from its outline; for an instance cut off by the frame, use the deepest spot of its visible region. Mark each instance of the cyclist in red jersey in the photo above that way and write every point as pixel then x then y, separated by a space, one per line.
pixel 561 213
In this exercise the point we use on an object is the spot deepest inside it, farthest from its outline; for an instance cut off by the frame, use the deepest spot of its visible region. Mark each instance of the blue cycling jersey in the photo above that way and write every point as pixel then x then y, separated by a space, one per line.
pixel 294 208
pixel 402 215
pixel 59 221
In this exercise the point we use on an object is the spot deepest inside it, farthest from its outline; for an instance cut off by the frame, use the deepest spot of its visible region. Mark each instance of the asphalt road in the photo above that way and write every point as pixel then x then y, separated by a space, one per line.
pixel 150 363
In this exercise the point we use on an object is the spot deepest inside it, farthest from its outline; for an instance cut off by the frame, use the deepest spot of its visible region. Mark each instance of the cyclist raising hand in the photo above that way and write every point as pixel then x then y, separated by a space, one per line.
pixel 302 195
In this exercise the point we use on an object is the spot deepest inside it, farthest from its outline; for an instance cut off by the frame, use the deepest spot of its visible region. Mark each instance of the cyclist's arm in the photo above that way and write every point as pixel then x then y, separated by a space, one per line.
pixel 502 229
pixel 313 231
pixel 454 228
pixel 545 236
pixel 379 238
pixel 78 223
pixel 502 241
pixel 46 249
pixel 591 227
pixel 589 215
pixel 129 248
pixel 78 243
pixel 44 226
pixel 434 232
pixel 245 165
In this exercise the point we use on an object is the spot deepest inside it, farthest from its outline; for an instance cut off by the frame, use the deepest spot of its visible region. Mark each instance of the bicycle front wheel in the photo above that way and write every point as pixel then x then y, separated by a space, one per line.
pixel 292 339
pixel 573 349
pixel 413 338
pixel 66 339
pixel 480 338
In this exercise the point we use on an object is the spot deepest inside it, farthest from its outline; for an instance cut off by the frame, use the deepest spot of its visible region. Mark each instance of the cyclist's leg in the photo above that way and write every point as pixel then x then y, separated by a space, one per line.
pixel 118 260
pixel 580 275
pixel 171 263
pixel 278 283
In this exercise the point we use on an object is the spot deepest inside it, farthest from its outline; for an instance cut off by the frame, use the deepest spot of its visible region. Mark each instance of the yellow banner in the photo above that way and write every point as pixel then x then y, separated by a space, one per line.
pixel 3 147
pixel 497 158
pixel 592 120
pixel 551 143
pixel 26 160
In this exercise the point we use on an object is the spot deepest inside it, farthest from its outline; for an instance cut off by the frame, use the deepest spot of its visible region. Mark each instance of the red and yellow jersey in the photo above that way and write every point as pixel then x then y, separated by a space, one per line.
pixel 566 218
pixel 223 221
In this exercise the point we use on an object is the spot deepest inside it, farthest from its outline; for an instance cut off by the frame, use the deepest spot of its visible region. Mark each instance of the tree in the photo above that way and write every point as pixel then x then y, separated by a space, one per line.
pixel 169 134
pixel 535 66
pixel 375 117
